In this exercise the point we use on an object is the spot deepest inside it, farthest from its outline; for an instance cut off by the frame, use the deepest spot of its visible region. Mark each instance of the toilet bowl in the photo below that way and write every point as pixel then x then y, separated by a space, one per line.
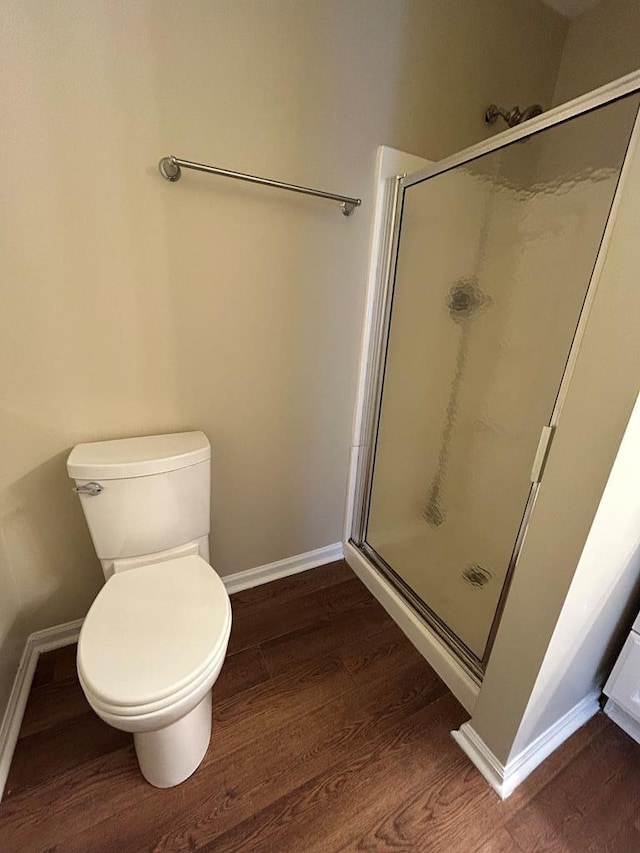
pixel 149 652
pixel 154 640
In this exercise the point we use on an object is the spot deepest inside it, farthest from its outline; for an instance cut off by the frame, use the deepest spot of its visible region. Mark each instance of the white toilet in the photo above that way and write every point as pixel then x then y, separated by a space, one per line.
pixel 155 638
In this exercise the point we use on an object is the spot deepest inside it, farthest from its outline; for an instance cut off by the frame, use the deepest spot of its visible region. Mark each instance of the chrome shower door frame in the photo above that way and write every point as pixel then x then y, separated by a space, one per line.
pixel 372 373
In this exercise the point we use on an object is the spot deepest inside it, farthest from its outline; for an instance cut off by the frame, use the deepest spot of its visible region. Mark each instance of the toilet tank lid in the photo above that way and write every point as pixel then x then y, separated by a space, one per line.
pixel 137 457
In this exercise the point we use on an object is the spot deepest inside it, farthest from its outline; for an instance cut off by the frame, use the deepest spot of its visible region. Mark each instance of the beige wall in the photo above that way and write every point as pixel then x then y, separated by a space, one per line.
pixel 574 630
pixel 132 306
pixel 603 599
pixel 553 586
pixel 602 44
pixel 586 601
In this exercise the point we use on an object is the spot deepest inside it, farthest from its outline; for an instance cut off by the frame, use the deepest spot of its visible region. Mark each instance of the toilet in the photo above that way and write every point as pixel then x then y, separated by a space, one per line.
pixel 154 640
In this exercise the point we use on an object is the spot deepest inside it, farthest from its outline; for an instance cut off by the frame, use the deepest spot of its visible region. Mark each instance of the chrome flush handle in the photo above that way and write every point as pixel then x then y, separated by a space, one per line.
pixel 91 489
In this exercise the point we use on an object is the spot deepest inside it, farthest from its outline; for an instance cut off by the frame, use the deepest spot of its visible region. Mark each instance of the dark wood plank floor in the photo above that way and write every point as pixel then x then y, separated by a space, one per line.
pixel 329 733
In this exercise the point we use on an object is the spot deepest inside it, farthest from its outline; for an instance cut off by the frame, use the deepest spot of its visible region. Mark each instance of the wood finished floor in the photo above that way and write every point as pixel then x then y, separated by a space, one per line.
pixel 329 733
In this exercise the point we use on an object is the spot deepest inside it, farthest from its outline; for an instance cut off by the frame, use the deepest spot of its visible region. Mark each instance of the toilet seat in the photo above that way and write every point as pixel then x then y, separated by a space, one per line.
pixel 154 636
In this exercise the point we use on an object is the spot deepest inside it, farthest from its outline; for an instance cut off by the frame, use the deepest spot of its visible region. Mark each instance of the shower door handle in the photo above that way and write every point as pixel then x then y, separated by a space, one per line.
pixel 544 445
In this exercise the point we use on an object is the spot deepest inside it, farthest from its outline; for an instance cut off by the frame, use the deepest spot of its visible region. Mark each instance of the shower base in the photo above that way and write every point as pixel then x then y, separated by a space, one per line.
pixel 451 578
pixel 464 685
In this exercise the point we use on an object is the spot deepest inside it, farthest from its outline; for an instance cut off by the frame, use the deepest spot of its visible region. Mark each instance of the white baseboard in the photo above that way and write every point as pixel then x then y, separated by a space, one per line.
pixel 504 779
pixel 36 644
pixel 454 675
pixel 620 717
pixel 283 568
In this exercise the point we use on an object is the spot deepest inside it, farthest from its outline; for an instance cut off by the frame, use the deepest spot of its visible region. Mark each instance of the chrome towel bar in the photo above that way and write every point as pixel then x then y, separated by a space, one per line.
pixel 171 169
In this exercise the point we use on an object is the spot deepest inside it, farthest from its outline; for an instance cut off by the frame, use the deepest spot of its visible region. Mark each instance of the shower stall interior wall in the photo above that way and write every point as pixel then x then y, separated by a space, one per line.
pixel 489 263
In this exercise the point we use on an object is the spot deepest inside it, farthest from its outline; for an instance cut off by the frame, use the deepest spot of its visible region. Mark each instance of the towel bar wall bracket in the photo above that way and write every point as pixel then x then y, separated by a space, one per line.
pixel 171 169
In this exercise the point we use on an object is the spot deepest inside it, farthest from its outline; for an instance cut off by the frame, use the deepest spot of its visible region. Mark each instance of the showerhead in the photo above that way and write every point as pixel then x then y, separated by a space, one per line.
pixel 530 112
pixel 513 116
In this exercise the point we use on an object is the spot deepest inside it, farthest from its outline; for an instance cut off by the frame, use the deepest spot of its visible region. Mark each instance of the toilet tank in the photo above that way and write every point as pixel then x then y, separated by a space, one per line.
pixel 144 496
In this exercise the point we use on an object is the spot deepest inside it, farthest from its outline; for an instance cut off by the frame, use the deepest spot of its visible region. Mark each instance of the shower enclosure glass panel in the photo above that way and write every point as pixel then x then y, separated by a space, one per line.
pixel 493 264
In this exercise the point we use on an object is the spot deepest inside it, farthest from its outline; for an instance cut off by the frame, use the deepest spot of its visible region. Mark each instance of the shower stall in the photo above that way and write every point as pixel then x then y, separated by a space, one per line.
pixel 486 266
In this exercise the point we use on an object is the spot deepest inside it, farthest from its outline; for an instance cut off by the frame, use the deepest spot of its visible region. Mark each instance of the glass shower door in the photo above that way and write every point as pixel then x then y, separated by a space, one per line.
pixel 493 264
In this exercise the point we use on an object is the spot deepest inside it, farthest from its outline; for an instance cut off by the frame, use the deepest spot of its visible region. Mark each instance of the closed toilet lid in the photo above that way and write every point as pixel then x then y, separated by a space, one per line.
pixel 153 630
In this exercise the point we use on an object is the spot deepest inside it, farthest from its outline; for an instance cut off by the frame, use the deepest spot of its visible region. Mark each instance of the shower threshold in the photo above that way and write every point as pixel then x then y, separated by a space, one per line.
pixel 465 657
